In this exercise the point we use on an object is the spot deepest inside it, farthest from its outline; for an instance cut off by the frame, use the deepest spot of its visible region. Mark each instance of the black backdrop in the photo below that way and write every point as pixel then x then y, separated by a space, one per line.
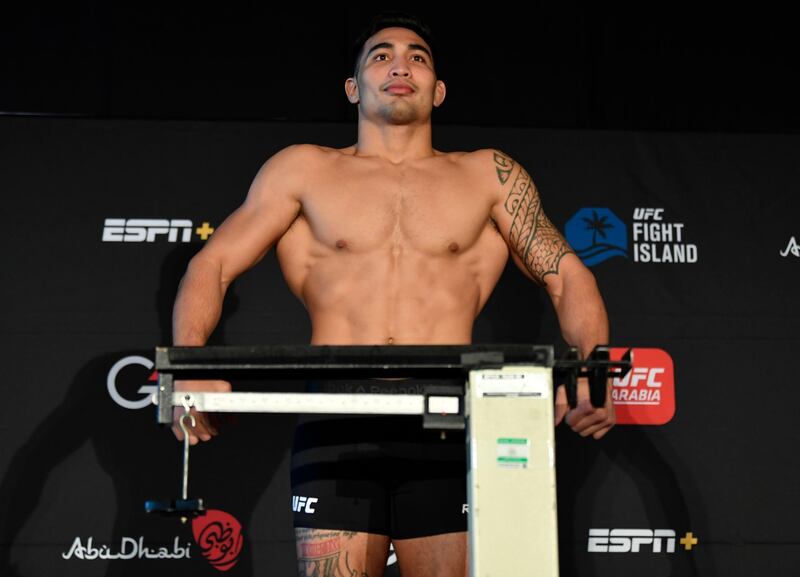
pixel 76 465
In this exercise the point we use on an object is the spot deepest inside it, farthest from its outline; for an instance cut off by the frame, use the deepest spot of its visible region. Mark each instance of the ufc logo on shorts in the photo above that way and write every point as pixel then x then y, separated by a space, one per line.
pixel 303 504
pixel 146 230
pixel 629 540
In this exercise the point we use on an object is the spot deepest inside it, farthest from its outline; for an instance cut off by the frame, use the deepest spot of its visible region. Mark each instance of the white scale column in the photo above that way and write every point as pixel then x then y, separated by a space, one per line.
pixel 511 481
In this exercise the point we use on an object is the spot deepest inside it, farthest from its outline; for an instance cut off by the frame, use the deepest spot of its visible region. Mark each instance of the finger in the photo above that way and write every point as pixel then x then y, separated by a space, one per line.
pixel 584 416
pixel 222 386
pixel 583 391
pixel 601 427
pixel 197 431
pixel 595 428
pixel 193 440
pixel 201 426
pixel 561 406
pixel 583 410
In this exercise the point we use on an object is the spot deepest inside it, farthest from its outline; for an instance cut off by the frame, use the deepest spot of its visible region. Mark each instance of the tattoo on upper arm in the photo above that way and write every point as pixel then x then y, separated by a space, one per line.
pixel 504 167
pixel 532 236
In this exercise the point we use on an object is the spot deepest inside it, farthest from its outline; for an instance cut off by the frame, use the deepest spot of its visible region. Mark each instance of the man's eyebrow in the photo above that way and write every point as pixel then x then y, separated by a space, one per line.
pixel 390 46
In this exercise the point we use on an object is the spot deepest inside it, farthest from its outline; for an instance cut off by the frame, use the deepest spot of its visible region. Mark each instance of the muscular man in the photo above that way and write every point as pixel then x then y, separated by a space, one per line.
pixel 389 241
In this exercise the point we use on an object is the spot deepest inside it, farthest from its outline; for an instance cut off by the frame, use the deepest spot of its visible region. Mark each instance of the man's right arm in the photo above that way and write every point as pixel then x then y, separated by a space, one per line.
pixel 272 204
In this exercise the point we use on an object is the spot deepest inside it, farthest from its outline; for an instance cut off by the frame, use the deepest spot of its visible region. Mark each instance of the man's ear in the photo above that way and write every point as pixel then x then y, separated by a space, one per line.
pixel 351 89
pixel 439 93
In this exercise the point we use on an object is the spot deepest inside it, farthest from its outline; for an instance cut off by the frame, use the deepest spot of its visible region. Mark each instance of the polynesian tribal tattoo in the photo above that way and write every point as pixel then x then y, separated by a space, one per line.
pixel 319 554
pixel 532 236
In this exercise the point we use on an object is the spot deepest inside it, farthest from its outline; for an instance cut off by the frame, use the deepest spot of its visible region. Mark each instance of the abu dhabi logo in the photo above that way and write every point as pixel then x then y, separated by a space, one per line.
pixel 129 548
pixel 220 538
pixel 597 234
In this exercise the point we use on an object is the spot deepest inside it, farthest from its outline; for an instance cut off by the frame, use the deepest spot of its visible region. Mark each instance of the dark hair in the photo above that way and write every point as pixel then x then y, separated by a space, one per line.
pixel 391 20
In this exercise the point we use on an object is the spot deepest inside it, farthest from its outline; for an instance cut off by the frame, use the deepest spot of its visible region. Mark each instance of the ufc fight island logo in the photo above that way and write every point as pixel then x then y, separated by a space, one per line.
pixel 152 229
pixel 597 234
pixel 658 241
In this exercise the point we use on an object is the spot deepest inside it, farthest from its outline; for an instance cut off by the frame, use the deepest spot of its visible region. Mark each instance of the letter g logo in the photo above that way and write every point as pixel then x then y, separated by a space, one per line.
pixel 146 390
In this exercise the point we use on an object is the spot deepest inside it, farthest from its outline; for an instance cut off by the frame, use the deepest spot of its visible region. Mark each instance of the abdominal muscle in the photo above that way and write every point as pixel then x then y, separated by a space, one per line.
pixel 369 301
pixel 390 294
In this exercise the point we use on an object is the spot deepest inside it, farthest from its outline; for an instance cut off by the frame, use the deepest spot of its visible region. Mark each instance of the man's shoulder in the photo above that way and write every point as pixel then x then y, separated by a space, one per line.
pixel 299 153
pixel 480 158
pixel 298 161
pixel 480 165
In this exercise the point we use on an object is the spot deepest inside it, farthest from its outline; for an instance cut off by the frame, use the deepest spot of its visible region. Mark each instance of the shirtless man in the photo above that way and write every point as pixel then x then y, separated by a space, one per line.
pixel 389 241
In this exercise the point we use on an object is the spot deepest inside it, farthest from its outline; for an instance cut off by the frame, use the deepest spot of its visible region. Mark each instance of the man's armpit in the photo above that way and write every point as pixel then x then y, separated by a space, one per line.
pixel 531 235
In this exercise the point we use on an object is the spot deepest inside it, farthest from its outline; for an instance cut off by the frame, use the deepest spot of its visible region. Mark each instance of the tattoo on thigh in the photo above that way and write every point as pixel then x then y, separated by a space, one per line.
pixel 319 554
pixel 532 236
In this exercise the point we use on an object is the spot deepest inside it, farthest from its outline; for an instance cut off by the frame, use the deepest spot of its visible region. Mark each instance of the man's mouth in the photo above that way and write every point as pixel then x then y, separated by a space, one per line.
pixel 399 88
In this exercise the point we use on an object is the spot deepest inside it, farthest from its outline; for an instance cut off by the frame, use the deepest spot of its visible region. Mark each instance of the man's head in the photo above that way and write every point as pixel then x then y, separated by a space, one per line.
pixel 394 70
pixel 390 20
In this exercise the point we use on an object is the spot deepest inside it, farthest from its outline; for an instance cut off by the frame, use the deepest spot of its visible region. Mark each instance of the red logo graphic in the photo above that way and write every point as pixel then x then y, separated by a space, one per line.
pixel 219 535
pixel 646 395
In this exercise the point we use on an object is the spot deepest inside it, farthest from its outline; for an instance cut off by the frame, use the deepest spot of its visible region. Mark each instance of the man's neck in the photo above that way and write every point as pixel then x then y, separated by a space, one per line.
pixel 394 143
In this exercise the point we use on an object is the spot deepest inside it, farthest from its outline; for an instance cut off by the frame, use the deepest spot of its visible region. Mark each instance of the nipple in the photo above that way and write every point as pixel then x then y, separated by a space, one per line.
pixel 341 243
pixel 453 247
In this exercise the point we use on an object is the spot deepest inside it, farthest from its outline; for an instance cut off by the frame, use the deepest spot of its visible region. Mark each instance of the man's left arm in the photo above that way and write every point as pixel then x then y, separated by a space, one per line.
pixel 544 256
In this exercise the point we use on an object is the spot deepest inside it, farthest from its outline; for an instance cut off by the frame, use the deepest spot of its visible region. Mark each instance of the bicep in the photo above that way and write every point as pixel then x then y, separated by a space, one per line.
pixel 272 204
pixel 536 244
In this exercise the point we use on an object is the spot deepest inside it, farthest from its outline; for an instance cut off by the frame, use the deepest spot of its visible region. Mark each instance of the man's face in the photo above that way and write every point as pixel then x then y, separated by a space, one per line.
pixel 396 81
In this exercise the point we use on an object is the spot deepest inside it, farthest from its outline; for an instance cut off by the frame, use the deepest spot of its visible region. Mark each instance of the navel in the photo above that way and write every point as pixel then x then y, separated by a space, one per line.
pixel 390 341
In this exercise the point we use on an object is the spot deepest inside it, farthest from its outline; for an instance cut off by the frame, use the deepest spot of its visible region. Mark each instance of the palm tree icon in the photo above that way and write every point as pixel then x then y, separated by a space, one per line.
pixel 597 225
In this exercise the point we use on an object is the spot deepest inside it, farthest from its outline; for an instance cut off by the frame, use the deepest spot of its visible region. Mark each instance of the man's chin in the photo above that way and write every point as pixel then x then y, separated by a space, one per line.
pixel 399 115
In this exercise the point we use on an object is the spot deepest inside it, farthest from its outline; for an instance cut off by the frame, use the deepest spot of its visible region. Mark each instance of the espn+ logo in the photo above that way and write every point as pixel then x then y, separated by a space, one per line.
pixel 638 541
pixel 630 540
pixel 152 229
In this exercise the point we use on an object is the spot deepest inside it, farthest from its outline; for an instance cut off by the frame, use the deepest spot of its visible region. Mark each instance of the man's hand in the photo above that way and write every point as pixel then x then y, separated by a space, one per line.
pixel 203 430
pixel 585 419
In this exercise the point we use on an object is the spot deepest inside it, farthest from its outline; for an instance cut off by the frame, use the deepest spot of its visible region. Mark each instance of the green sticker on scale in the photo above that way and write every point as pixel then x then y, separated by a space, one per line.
pixel 513 453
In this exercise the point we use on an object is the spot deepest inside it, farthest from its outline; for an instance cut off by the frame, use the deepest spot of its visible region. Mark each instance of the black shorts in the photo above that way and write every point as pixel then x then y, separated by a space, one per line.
pixel 378 474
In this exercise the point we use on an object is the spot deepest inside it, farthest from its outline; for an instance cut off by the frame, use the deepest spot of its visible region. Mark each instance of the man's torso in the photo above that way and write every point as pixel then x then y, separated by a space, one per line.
pixel 401 254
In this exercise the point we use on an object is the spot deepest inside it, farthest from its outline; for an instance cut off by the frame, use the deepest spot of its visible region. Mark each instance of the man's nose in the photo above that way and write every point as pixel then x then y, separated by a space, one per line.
pixel 400 69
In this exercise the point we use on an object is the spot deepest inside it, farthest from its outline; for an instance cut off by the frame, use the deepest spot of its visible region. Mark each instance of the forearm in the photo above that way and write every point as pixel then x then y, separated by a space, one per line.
pixel 199 303
pixel 582 313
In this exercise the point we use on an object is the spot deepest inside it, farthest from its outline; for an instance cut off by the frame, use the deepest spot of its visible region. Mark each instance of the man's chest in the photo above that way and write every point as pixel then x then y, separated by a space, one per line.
pixel 429 210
